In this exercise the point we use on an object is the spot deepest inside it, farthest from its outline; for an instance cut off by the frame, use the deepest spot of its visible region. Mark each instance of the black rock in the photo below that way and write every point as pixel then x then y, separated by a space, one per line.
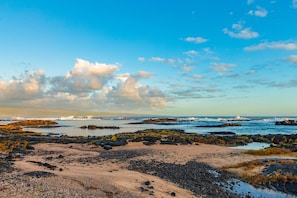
pixel 147 183
pixel 39 174
pixel 29 147
pixel 222 133
pixel 148 143
pixel 287 122
pixel 222 125
pixel 107 147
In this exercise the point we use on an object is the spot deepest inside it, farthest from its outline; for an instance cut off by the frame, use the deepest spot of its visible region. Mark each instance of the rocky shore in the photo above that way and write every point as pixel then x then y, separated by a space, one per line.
pixel 189 165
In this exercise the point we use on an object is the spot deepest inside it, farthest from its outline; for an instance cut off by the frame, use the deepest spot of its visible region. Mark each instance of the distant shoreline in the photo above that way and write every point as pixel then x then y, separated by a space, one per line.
pixel 38 112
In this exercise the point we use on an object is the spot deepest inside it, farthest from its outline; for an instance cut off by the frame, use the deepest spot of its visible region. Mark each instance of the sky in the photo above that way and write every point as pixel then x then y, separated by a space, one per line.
pixel 178 57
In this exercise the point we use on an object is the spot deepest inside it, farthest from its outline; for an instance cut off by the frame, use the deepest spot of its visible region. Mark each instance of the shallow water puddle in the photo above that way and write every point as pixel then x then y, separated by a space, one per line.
pixel 246 189
pixel 253 146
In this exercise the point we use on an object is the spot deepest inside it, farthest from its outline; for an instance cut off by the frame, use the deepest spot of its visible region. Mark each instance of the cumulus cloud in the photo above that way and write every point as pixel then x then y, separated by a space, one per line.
pixel 88 86
pixel 85 76
pixel 196 40
pixel 26 86
pixel 240 32
pixel 293 59
pixel 129 92
pixel 272 45
pixel 260 12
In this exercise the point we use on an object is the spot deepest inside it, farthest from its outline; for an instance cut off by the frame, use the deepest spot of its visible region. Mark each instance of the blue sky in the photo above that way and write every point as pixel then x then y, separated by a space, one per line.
pixel 190 57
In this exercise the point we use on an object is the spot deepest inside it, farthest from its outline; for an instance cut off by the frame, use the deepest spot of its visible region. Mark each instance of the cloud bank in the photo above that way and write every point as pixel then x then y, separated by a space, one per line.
pixel 273 45
pixel 88 86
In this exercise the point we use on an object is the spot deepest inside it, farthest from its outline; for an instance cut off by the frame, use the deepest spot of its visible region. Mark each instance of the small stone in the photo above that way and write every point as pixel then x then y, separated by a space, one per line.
pixel 107 147
pixel 172 194
pixel 147 183
pixel 60 156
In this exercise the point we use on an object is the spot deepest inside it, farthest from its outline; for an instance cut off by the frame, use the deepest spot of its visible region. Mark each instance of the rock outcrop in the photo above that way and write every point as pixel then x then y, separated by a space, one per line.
pixel 287 122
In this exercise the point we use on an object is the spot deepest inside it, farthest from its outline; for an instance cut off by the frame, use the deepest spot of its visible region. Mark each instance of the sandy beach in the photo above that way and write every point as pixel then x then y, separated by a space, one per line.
pixel 81 170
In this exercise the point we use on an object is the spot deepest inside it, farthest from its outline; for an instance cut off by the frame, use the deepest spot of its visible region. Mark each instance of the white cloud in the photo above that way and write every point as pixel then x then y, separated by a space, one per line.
pixel 88 86
pixel 191 53
pixel 141 59
pixel 294 4
pixel 208 51
pixel 293 59
pixel 159 59
pixel 171 61
pixel 273 45
pixel 260 12
pixel 130 92
pixel 196 39
pixel 144 74
pixel 222 66
pixel 26 86
pixel 197 76
pixel 85 76
pixel 187 68
pixel 238 31
pixel 163 60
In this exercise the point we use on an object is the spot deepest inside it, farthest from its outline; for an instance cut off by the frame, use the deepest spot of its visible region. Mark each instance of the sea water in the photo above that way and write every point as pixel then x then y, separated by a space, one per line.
pixel 71 125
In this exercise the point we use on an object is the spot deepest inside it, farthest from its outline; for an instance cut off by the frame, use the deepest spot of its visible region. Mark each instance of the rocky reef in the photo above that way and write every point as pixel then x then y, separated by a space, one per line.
pixel 228 124
pixel 287 122
pixel 164 121
pixel 99 127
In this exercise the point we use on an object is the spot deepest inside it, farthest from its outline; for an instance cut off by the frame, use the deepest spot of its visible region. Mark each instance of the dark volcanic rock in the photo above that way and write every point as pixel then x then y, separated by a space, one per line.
pixel 5 166
pixel 46 165
pixel 99 127
pixel 161 121
pixel 148 143
pixel 194 176
pixel 33 123
pixel 222 133
pixel 283 169
pixel 107 147
pixel 39 174
pixel 287 122
pixel 222 125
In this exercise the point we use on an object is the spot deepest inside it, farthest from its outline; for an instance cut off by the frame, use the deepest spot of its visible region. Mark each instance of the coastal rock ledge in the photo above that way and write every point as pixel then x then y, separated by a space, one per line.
pixel 287 122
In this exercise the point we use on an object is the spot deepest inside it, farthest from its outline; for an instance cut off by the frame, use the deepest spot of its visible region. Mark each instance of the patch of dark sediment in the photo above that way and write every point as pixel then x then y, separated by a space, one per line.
pixel 39 174
pixel 118 155
pixel 5 166
pixel 199 178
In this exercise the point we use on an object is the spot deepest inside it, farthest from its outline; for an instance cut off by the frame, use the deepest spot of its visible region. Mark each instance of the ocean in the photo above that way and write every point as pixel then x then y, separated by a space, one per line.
pixel 250 125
